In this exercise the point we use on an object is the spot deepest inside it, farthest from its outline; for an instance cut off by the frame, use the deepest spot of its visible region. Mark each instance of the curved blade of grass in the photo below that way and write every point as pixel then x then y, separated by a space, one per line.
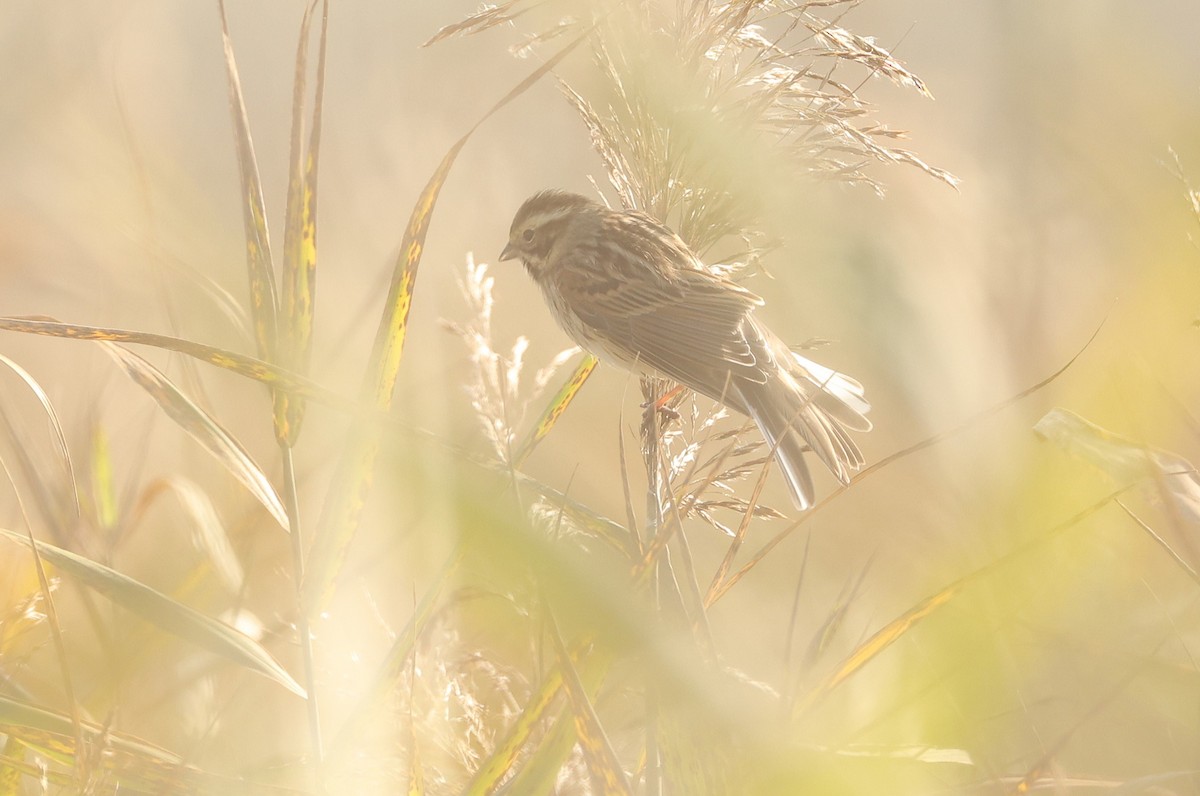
pixel 165 613
pixel 202 428
pixel 247 366
pixel 355 470
pixel 254 215
pixel 300 234
pixel 64 451
pixel 558 404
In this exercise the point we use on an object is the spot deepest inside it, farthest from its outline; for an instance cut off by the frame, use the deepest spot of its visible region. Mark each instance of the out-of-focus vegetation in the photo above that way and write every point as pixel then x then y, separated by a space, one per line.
pixel 392 564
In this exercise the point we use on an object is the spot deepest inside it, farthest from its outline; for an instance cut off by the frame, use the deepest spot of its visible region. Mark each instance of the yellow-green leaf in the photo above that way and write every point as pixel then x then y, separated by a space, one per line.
pixel 300 234
pixel 558 404
pixel 249 367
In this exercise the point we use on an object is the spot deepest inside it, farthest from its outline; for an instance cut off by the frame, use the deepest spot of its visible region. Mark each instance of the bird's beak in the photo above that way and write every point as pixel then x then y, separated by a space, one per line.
pixel 509 252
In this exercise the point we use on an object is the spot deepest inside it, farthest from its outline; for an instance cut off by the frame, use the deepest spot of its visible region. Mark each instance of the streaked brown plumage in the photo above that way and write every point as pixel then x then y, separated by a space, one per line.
pixel 630 291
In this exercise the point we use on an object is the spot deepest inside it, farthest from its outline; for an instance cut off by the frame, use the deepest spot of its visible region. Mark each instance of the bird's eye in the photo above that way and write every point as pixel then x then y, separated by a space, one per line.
pixel 527 235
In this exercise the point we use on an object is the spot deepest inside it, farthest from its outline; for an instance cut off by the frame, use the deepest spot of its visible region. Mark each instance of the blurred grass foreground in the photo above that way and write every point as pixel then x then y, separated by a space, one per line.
pixel 395 536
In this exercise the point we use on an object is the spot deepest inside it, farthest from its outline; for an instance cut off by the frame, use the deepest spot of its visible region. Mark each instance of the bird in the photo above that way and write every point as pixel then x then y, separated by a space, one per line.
pixel 630 291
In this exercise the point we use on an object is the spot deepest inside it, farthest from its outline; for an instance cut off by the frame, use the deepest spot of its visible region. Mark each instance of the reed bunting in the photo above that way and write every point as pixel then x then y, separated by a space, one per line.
pixel 630 291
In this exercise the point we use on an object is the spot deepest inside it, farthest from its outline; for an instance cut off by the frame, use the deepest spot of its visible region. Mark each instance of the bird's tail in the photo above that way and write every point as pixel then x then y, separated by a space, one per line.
pixel 808 407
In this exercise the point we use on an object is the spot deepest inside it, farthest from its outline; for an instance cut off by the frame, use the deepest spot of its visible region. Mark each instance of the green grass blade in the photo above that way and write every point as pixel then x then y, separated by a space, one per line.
pixel 165 613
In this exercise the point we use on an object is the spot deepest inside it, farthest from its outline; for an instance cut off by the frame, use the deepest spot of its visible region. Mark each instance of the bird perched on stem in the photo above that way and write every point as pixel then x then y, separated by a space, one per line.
pixel 630 291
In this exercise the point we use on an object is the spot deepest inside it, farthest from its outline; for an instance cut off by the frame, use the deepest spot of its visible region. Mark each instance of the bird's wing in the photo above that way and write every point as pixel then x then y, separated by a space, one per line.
pixel 685 323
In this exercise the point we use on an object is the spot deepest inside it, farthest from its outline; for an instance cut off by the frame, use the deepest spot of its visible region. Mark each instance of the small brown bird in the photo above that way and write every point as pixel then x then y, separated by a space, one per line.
pixel 630 291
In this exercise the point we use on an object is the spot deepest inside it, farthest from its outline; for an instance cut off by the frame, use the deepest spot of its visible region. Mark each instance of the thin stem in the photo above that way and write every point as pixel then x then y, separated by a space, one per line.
pixel 292 504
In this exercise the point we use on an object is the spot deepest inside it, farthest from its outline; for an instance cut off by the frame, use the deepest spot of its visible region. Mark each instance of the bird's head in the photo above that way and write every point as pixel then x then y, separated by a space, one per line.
pixel 539 224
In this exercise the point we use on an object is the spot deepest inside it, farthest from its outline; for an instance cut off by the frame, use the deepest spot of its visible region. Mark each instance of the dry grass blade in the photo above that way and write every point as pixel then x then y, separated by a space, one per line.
pixel 254 215
pixel 165 613
pixel 201 427
pixel 557 406
pixel 355 469
pixel 300 233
